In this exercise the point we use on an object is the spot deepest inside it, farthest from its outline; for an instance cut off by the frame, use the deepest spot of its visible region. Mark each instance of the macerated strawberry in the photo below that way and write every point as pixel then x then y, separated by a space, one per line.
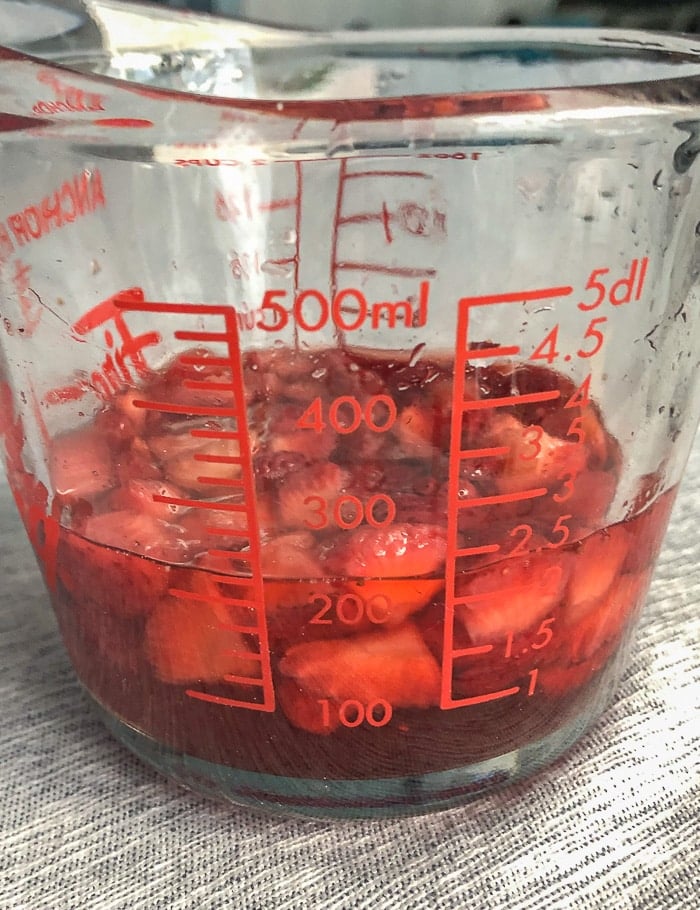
pixel 109 580
pixel 141 495
pixel 294 428
pixel 607 618
pixel 136 416
pixel 415 430
pixel 201 465
pixel 510 597
pixel 80 463
pixel 401 550
pixel 290 556
pixel 535 458
pixel 597 564
pixel 308 497
pixel 306 711
pixel 136 462
pixel 390 601
pixel 139 533
pixel 394 665
pixel 188 641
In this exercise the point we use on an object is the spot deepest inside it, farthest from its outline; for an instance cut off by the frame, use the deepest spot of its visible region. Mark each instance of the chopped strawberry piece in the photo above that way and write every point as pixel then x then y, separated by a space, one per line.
pixel 390 601
pixel 607 619
pixel 399 551
pixel 394 665
pixel 535 458
pixel 289 431
pixel 108 580
pixel 187 641
pixel 136 463
pixel 306 711
pixel 137 532
pixel 202 465
pixel 597 564
pixel 290 556
pixel 143 496
pixel 307 498
pixel 510 597
pixel 416 431
pixel 80 463
pixel 136 416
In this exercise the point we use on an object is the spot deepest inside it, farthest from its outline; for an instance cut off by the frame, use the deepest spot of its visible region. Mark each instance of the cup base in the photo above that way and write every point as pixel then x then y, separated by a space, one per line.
pixel 348 799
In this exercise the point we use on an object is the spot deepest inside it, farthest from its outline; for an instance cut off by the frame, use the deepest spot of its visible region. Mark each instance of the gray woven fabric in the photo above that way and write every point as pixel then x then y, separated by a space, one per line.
pixel 84 826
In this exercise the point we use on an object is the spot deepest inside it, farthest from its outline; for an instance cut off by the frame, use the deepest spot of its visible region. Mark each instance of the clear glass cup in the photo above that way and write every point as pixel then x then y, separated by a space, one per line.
pixel 347 383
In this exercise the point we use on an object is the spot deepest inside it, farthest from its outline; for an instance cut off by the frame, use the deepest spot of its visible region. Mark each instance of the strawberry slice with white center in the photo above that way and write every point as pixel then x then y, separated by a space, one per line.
pixel 144 496
pixel 400 551
pixel 80 463
pixel 535 459
pixel 189 641
pixel 394 665
pixel 139 533
pixel 597 564
pixel 511 597
pixel 308 497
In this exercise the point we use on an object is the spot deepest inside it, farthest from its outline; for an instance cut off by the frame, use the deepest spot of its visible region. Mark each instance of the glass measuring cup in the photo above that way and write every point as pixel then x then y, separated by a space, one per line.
pixel 346 415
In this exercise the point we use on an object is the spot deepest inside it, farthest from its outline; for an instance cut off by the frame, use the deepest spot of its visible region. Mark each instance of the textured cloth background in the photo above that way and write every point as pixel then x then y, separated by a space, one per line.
pixel 615 824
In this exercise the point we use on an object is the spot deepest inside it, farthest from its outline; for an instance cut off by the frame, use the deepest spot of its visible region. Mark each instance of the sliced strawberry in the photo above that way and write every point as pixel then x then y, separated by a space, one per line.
pixel 535 458
pixel 202 465
pixel 399 551
pixel 139 533
pixel 108 580
pixel 307 498
pixel 142 496
pixel 80 463
pixel 136 462
pixel 597 564
pixel 415 429
pixel 187 641
pixel 291 429
pixel 512 596
pixel 394 665
pixel 607 620
pixel 124 403
pixel 390 601
pixel 306 712
pixel 291 556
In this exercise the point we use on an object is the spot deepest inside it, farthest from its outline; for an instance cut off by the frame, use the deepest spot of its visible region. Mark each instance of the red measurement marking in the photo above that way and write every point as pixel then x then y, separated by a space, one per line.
pixel 217 459
pixel 386 223
pixel 468 652
pixel 243 680
pixel 216 434
pixel 190 410
pixel 420 175
pixel 518 296
pixel 276 204
pixel 221 482
pixel 375 267
pixel 478 551
pixel 207 386
pixel 495 452
pixel 199 503
pixel 481 353
pixel 123 122
pixel 231 554
pixel 482 699
pixel 222 601
pixel 267 705
pixel 502 498
pixel 532 398
pixel 189 309
pixel 183 335
pixel 498 594
pixel 228 532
